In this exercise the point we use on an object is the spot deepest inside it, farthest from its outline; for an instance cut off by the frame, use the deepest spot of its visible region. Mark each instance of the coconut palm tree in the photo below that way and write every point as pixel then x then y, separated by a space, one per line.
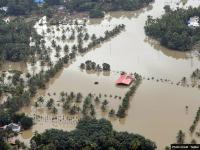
pixel 36 104
pixel 50 103
pixel 97 100
pixel 62 94
pixel 40 100
pixel 66 106
pixel 193 141
pixel 92 112
pixel 66 48
pixel 112 113
pixel 54 110
pixel 105 102
pixel 86 37
pixel 79 97
pixel 180 137
pixel 63 37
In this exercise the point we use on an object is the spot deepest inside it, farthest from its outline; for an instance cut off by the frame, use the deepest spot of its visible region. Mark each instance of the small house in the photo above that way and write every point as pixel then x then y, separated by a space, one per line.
pixel 194 22
pixel 14 127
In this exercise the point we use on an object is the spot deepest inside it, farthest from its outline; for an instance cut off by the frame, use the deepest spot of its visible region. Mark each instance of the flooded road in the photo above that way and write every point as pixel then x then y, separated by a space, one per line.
pixel 157 110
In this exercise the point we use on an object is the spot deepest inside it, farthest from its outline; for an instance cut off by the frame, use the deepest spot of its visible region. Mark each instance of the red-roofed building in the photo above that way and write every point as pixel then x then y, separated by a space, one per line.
pixel 125 79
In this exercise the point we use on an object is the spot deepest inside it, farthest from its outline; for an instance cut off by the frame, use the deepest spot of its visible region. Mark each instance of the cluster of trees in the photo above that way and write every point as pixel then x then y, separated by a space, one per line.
pixel 27 7
pixel 88 107
pixel 14 40
pixel 18 97
pixel 90 134
pixel 97 41
pixel 195 122
pixel 71 102
pixel 180 137
pixel 7 118
pixel 126 100
pixel 16 7
pixel 195 74
pixel 90 65
pixel 96 8
pixel 13 85
pixel 172 28
pixel 54 2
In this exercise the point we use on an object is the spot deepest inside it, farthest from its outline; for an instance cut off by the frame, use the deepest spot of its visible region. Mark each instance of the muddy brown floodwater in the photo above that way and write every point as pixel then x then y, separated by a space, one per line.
pixel 158 109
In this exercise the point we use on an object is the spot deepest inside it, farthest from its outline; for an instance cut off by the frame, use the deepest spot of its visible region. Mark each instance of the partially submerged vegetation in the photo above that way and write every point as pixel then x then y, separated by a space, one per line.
pixel 20 88
pixel 126 100
pixel 172 28
pixel 90 134
pixel 92 66
pixel 195 122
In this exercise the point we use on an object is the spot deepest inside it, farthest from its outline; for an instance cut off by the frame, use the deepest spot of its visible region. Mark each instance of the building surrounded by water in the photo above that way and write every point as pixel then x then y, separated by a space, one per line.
pixel 194 22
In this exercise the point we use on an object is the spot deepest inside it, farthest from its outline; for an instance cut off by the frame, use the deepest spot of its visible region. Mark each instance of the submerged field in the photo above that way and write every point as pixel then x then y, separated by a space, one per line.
pixel 157 110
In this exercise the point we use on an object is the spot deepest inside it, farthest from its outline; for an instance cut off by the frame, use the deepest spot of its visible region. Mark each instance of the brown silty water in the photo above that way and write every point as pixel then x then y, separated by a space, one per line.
pixel 157 111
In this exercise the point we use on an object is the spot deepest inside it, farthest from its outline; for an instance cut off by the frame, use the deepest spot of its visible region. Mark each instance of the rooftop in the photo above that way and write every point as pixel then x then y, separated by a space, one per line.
pixel 125 79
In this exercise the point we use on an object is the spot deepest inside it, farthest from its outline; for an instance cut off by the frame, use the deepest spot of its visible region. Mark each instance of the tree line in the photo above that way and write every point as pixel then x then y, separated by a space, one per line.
pixel 126 100
pixel 96 8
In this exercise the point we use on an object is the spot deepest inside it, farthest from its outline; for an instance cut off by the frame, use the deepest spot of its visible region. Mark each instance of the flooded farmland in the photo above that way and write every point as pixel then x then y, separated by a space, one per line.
pixel 157 110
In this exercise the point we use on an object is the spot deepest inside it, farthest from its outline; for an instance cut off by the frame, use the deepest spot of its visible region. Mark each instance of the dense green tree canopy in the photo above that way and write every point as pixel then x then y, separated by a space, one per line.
pixel 95 7
pixel 91 134
pixel 172 28
pixel 20 7
pixel 3 144
pixel 53 2
pixel 105 5
pixel 14 39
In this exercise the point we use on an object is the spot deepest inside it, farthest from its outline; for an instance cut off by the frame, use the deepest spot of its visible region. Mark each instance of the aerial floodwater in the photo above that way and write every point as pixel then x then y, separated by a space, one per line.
pixel 158 108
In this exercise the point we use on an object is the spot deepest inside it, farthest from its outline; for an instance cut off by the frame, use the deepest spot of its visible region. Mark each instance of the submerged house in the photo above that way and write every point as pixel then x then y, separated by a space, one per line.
pixel 125 79
pixel 14 127
pixel 194 22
